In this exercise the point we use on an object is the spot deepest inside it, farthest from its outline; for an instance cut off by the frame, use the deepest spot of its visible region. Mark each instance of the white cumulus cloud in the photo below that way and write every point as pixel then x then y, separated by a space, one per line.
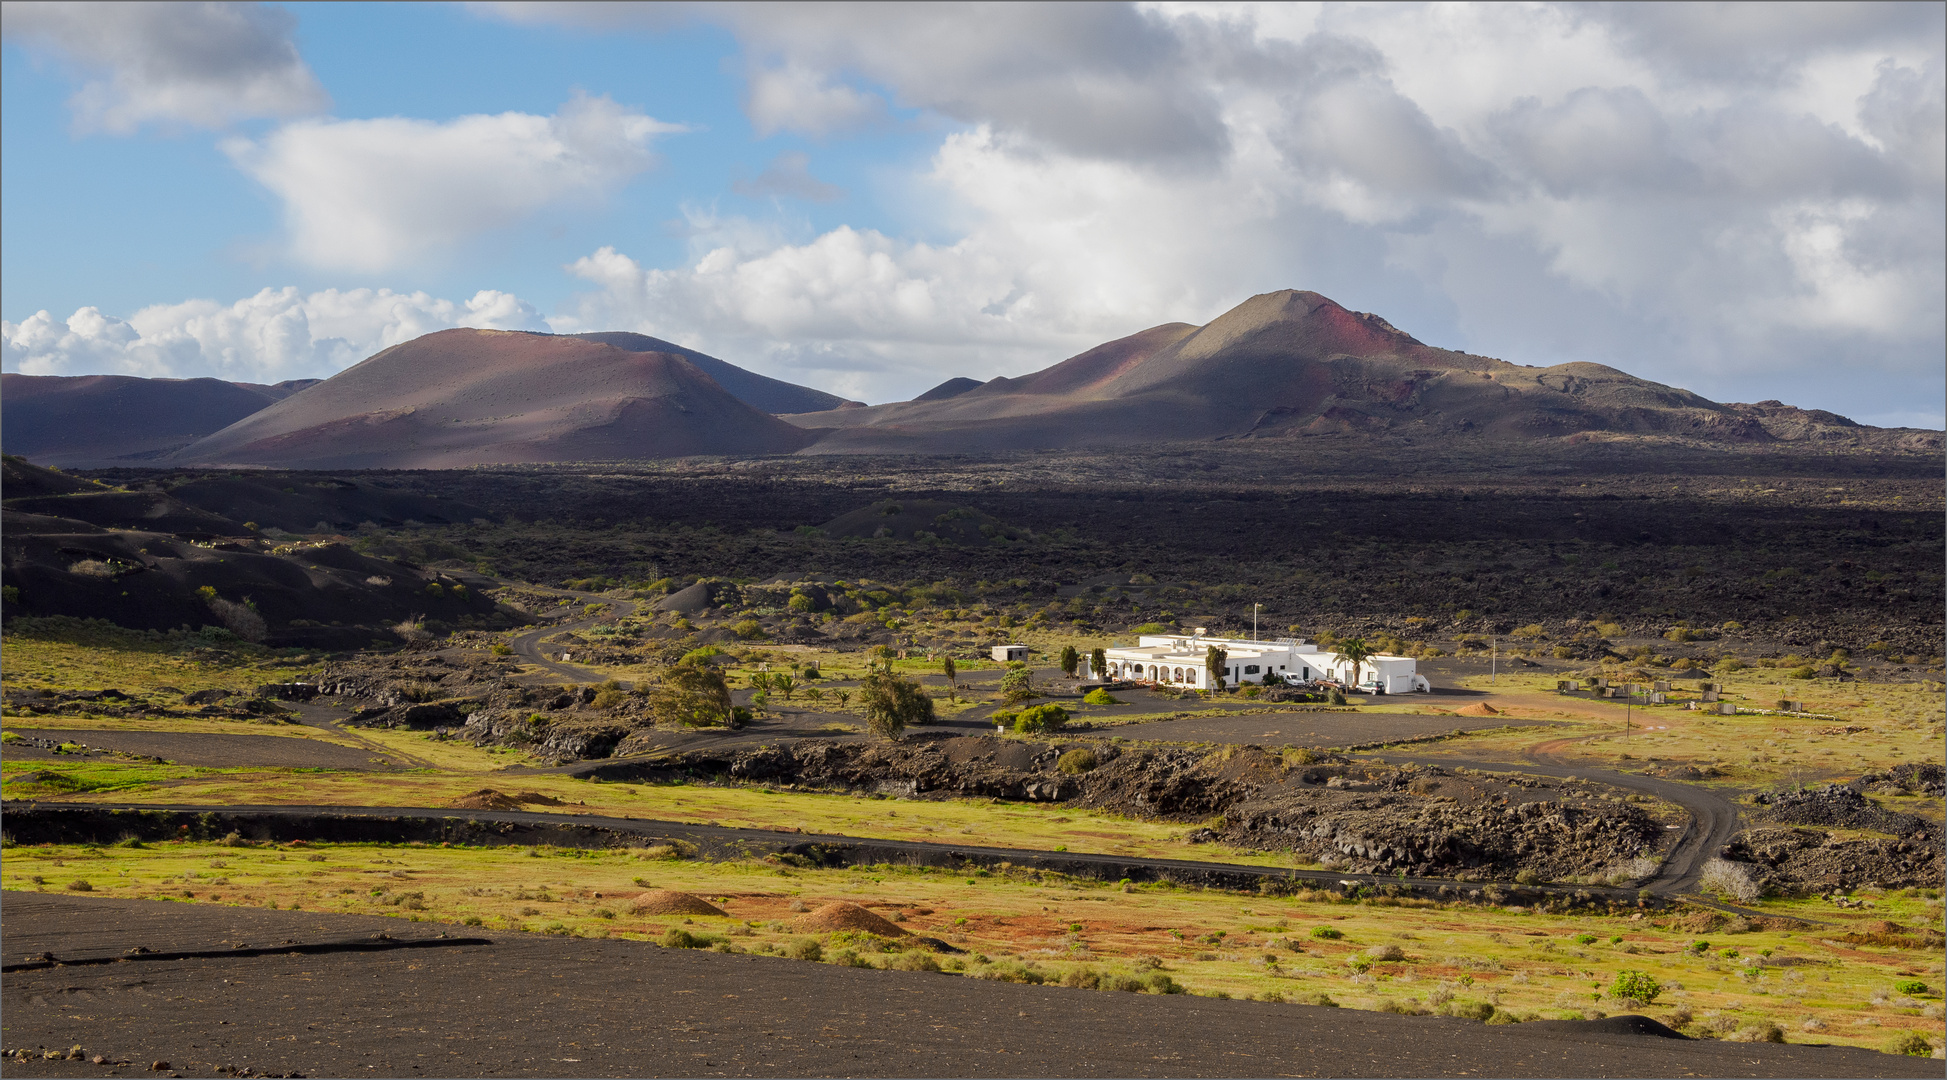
pixel 377 194
pixel 275 335
pixel 1720 196
pixel 195 64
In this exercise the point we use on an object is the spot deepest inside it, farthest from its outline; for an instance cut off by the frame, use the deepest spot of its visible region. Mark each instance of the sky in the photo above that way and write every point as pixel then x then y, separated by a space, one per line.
pixel 1745 200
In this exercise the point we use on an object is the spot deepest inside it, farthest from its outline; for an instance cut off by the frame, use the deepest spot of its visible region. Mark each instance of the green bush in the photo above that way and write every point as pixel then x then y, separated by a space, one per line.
pixel 1910 987
pixel 1585 939
pixel 1911 1043
pixel 1099 696
pixel 678 938
pixel 1805 672
pixel 1040 718
pixel 1082 759
pixel 915 960
pixel 1635 986
pixel 805 949
pixel 749 630
pixel 1327 933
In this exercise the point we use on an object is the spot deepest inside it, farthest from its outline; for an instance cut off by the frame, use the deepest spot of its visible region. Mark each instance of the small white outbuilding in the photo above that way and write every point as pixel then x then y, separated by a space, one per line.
pixel 1008 654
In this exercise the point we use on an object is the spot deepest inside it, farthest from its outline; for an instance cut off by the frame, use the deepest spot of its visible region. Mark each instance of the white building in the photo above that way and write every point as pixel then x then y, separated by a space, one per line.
pixel 1008 654
pixel 1179 659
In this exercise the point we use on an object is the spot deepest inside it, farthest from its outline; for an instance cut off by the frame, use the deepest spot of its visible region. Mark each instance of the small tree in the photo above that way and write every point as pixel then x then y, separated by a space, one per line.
pixel 1635 986
pixel 1353 651
pixel 784 685
pixel 1215 660
pixel 1070 660
pixel 1099 663
pixel 952 674
pixel 882 658
pixel 760 680
pixel 893 704
pixel 1018 684
pixel 692 695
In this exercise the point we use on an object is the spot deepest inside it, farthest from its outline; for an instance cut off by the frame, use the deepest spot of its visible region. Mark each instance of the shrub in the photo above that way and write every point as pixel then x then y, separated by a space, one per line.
pixel 433 590
pixel 1082 759
pixel 1099 696
pixel 1805 672
pixel 892 704
pixel 678 938
pixel 1911 1043
pixel 1585 939
pixel 80 885
pixel 749 630
pixel 915 960
pixel 805 949
pixel 240 619
pixel 1327 933
pixel 1041 718
pixel 1765 1031
pixel 1337 697
pixel 1159 983
pixel 1731 879
pixel 1386 952
pixel 1910 987
pixel 501 648
pixel 1635 986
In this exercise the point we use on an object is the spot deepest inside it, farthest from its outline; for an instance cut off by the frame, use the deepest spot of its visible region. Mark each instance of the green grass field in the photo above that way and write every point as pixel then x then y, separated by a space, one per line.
pixel 1714 979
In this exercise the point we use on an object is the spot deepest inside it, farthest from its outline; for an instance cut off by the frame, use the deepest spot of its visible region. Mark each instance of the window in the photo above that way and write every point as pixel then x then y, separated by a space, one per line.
pixel 1250 669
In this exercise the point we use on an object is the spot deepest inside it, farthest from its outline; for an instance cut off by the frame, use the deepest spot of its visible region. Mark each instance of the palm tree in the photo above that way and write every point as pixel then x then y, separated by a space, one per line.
pixel 1353 651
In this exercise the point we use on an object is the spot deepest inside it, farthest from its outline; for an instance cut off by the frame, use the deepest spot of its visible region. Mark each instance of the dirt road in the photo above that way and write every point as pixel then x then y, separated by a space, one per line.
pixel 528 645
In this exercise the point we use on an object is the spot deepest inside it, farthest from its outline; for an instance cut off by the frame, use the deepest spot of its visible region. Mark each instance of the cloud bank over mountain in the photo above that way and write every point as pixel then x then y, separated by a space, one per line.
pixel 1733 198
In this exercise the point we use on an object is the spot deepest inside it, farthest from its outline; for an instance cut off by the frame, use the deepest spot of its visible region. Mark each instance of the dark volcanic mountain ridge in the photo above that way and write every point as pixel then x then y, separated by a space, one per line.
pixel 1293 364
pixel 471 397
pixel 92 421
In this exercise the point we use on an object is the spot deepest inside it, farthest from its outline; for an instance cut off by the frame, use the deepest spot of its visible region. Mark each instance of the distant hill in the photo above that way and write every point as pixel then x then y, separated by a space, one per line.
pixel 1294 364
pixel 757 391
pixel 92 421
pixel 949 389
pixel 473 397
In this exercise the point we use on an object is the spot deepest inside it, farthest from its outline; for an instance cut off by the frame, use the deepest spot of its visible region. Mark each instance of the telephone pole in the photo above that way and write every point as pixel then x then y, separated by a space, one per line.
pixel 1254 608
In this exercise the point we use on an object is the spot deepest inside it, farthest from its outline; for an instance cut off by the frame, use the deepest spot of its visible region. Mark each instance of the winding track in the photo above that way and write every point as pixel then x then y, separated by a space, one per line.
pixel 1713 818
pixel 528 645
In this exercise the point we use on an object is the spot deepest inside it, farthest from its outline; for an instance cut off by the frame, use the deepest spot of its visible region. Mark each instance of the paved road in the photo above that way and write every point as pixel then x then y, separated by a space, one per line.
pixel 539 1005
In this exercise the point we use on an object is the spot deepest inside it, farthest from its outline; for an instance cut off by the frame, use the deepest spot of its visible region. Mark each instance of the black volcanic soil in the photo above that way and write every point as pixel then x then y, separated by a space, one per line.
pixel 197 748
pixel 533 1005
pixel 1311 729
pixel 1804 553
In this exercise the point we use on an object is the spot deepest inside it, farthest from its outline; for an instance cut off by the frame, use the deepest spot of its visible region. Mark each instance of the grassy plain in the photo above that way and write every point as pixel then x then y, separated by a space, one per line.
pixel 1715 979
pixel 93 657
pixel 983 822
pixel 1845 729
